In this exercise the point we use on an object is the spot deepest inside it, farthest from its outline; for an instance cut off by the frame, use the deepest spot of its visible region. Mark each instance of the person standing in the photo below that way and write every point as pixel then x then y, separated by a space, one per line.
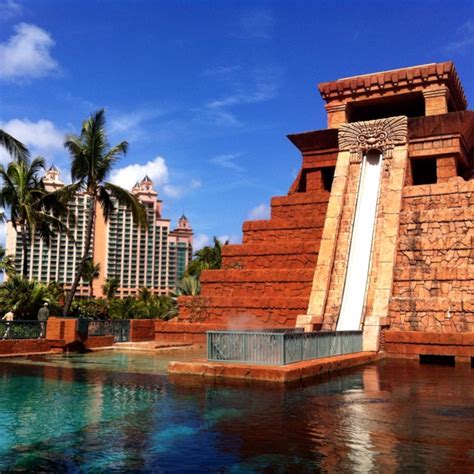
pixel 9 317
pixel 43 315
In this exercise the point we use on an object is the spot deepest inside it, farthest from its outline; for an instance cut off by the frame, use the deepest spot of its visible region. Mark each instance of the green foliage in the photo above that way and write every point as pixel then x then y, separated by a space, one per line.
pixel 110 287
pixel 90 309
pixel 189 286
pixel 14 147
pixel 156 307
pixel 34 211
pixel 92 161
pixel 7 263
pixel 122 308
pixel 26 297
pixel 146 306
pixel 90 272
pixel 209 257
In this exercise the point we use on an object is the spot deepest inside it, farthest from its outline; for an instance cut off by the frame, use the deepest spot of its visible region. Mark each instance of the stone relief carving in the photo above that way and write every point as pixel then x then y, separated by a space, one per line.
pixel 380 134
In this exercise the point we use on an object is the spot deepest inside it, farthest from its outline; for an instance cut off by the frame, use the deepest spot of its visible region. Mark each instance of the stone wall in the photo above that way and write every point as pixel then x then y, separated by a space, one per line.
pixel 434 275
pixel 266 281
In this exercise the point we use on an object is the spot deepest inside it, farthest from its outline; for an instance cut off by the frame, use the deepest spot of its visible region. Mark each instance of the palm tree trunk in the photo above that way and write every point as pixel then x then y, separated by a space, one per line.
pixel 24 244
pixel 85 256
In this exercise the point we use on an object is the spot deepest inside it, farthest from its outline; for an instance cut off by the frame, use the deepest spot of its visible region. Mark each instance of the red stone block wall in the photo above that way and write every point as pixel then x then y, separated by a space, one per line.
pixel 434 276
pixel 183 333
pixel 415 343
pixel 62 329
pixel 266 281
pixel 94 342
pixel 24 346
pixel 142 330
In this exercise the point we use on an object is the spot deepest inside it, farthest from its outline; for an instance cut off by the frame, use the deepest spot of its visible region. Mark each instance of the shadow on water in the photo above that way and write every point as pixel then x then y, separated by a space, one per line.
pixel 386 417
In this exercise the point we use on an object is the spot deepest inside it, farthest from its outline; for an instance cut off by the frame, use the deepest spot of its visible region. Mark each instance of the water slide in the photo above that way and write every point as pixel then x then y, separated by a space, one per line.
pixel 361 244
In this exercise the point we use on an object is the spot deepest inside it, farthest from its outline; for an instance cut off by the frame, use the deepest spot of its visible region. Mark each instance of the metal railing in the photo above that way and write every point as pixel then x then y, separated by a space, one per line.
pixel 279 348
pixel 21 329
pixel 120 329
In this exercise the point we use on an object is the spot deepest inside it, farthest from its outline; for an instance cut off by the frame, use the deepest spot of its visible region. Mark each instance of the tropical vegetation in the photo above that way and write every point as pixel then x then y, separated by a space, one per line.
pixel 25 297
pixel 14 147
pixel 110 287
pixel 90 272
pixel 92 160
pixel 207 258
pixel 34 212
pixel 37 213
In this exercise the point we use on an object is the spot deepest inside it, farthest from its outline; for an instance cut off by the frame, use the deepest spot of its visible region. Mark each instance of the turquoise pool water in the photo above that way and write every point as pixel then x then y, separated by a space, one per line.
pixel 118 411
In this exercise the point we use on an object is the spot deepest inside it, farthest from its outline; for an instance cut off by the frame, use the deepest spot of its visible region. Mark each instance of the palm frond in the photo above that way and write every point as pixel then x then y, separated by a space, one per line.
pixel 14 147
pixel 127 199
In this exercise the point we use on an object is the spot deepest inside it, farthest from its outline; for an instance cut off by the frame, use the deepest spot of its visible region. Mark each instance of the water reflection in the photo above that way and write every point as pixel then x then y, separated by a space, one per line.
pixel 394 416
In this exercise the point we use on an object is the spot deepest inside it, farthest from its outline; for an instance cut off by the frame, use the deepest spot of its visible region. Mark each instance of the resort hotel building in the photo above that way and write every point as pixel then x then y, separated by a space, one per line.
pixel 155 257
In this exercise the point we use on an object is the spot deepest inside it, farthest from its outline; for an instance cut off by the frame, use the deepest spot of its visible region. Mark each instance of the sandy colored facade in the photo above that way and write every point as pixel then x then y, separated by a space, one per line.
pixel 155 258
pixel 295 269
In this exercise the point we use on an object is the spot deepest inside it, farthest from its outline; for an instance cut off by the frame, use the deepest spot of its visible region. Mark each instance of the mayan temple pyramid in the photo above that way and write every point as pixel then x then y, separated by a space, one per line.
pixel 377 230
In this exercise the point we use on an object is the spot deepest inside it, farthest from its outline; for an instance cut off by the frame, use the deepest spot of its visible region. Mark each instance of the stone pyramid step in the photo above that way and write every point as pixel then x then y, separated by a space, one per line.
pixel 247 283
pixel 262 256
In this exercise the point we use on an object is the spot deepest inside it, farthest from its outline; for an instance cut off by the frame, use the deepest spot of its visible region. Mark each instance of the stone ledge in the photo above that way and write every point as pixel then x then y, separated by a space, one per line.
pixel 253 250
pixel 320 197
pixel 426 338
pixel 284 224
pixel 272 373
pixel 245 276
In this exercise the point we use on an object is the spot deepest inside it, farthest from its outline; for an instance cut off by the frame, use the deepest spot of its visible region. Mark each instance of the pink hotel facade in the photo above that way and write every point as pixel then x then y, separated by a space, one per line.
pixel 155 258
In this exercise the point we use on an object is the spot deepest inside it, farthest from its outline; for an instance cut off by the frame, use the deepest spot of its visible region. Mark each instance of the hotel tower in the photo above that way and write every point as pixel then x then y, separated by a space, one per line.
pixel 155 257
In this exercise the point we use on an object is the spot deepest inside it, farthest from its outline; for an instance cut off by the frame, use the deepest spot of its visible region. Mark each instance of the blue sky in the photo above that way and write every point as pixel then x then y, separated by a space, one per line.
pixel 206 91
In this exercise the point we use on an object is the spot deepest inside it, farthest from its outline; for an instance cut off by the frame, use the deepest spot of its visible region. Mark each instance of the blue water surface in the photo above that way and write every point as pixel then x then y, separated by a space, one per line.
pixel 119 411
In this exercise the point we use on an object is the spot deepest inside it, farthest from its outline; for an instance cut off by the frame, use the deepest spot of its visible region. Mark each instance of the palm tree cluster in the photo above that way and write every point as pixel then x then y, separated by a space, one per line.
pixel 145 306
pixel 207 258
pixel 36 213
pixel 25 297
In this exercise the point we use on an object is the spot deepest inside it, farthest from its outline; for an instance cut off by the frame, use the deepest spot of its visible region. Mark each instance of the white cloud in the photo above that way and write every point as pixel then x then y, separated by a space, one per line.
pixel 26 54
pixel 10 9
pixel 127 176
pixel 260 212
pixel 200 241
pixel 227 161
pixel 41 137
pixel 42 134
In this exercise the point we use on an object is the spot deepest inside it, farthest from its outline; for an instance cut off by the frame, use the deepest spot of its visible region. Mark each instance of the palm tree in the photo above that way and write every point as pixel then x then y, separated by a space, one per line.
pixel 90 272
pixel 110 287
pixel 188 286
pixel 7 263
pixel 34 211
pixel 13 146
pixel 207 258
pixel 92 162
pixel 28 296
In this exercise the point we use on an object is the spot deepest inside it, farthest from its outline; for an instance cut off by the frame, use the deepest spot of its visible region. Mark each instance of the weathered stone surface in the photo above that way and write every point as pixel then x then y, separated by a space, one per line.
pixel 421 272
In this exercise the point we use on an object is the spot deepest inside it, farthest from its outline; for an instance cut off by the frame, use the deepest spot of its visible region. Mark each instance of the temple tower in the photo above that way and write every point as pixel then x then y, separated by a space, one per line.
pixel 377 230
pixel 396 130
